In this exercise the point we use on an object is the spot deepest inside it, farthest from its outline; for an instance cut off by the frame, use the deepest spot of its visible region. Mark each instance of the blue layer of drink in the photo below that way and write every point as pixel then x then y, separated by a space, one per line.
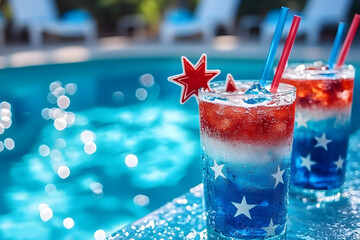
pixel 319 154
pixel 246 202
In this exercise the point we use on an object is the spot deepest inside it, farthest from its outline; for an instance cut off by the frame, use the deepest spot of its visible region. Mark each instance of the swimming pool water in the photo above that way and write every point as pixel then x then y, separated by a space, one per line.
pixel 106 188
pixel 131 148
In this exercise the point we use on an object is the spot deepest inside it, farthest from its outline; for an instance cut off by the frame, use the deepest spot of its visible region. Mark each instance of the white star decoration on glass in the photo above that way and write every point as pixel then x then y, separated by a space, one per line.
pixel 270 230
pixel 322 141
pixel 306 162
pixel 278 176
pixel 218 170
pixel 339 163
pixel 243 208
pixel 301 121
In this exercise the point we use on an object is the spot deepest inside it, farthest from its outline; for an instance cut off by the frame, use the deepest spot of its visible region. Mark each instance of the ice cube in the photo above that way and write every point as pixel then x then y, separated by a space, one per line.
pixel 256 89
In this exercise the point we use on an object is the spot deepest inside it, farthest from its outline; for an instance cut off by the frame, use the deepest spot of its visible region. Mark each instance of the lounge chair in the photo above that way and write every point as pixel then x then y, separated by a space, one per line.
pixel 41 16
pixel 2 30
pixel 209 14
pixel 316 15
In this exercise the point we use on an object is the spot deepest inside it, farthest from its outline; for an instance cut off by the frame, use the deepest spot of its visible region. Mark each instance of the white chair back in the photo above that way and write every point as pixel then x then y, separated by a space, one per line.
pixel 327 10
pixel 27 11
pixel 217 10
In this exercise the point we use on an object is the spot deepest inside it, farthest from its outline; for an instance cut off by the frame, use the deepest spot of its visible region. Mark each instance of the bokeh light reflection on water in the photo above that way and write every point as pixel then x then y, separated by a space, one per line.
pixel 141 94
pixel 57 95
pixel 147 80
pixel 100 234
pixel 44 150
pixel 131 160
pixel 5 123
pixel 63 172
pixel 100 168
pixel 9 143
pixel 68 223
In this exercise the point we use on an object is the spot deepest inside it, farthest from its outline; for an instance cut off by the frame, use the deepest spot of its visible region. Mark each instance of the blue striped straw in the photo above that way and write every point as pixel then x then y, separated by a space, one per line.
pixel 336 46
pixel 274 45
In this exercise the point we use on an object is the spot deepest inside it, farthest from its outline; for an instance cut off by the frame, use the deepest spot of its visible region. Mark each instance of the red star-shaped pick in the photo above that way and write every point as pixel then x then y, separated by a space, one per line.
pixel 193 77
pixel 230 85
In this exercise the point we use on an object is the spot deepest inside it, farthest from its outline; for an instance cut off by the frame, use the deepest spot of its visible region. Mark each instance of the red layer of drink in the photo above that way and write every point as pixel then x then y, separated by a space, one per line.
pixel 325 94
pixel 266 125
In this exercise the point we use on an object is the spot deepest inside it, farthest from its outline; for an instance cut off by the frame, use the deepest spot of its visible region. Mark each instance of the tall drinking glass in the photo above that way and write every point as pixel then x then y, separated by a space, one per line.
pixel 323 109
pixel 246 150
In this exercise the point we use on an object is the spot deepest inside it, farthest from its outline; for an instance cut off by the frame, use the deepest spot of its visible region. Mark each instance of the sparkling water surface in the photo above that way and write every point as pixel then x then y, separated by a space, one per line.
pixel 106 169
pixel 84 151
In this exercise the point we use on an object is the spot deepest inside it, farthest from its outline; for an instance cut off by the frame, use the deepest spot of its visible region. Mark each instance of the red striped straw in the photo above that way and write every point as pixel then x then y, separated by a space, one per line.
pixel 348 40
pixel 285 54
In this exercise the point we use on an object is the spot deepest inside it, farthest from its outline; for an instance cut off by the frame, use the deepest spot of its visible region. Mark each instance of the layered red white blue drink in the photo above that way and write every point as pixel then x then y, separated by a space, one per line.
pixel 323 110
pixel 246 150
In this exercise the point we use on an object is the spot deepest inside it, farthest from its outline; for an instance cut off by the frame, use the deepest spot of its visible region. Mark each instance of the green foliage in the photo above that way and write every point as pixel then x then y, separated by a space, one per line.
pixel 108 12
pixel 152 10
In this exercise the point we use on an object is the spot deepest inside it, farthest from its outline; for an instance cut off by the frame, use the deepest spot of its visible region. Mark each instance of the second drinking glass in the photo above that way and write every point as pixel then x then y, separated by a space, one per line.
pixel 323 109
